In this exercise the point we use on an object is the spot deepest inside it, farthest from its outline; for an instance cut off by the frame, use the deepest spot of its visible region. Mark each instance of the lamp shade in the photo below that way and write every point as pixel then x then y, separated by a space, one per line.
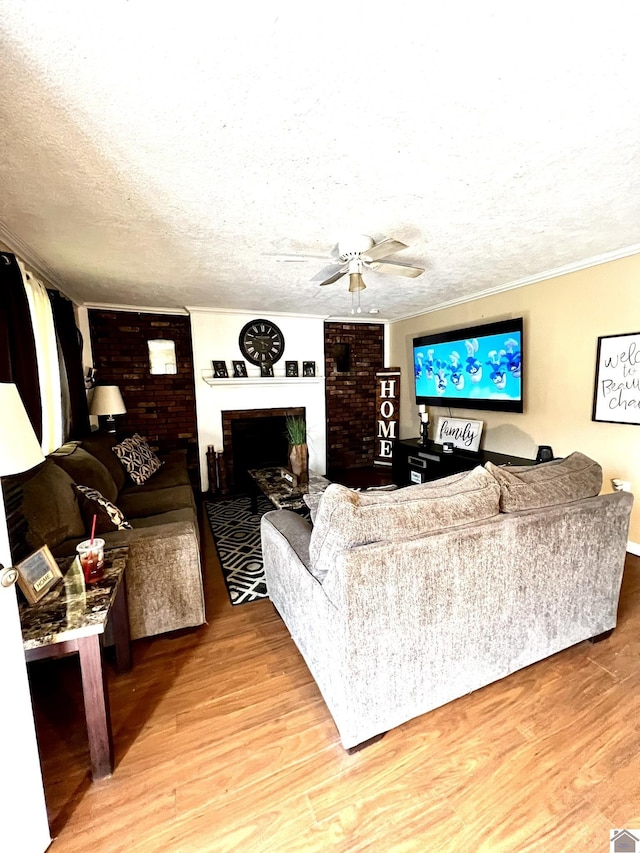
pixel 355 282
pixel 107 400
pixel 19 447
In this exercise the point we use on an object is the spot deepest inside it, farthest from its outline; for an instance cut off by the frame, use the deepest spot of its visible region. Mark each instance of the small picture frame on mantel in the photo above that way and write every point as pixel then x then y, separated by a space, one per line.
pixel 37 574
pixel 239 369
pixel 266 369
pixel 220 370
pixel 291 368
pixel 308 368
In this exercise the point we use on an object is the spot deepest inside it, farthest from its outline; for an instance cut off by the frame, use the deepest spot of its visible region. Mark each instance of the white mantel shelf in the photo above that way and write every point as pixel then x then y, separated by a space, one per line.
pixel 208 377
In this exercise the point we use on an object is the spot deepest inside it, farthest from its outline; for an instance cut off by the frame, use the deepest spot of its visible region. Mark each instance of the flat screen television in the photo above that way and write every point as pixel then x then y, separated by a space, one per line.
pixel 478 367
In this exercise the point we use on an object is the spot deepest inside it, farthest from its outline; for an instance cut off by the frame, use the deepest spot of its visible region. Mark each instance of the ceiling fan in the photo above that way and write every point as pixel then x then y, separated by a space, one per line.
pixel 360 252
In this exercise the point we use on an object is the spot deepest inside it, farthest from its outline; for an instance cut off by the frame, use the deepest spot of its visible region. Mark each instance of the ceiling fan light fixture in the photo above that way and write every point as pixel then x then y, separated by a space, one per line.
pixel 355 282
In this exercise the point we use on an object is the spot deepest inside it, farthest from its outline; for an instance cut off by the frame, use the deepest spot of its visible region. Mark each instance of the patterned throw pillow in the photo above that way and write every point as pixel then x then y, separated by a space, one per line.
pixel 108 516
pixel 549 484
pixel 137 458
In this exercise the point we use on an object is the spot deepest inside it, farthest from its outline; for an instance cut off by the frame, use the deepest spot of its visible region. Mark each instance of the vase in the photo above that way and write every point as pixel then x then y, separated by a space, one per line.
pixel 299 461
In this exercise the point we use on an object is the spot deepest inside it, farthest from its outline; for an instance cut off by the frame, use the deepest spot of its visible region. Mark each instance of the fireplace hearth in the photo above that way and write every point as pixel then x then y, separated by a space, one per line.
pixel 255 438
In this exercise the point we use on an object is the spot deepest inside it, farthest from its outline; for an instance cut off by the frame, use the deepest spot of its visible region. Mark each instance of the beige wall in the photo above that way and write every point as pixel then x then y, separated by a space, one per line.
pixel 563 318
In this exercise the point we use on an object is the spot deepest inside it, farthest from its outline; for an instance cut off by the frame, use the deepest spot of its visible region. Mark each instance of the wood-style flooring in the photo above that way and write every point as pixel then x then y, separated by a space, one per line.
pixel 223 743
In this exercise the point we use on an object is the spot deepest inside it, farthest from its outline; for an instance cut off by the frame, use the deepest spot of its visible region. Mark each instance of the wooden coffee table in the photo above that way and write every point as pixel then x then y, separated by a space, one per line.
pixel 273 484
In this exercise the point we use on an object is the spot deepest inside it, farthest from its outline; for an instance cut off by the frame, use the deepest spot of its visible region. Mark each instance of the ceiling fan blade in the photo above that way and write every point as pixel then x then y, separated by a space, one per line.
pixel 396 268
pixel 288 257
pixel 329 274
pixel 385 247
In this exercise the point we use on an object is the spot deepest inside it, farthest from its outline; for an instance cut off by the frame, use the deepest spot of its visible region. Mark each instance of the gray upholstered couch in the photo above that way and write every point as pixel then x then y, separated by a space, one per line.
pixel 401 602
pixel 164 578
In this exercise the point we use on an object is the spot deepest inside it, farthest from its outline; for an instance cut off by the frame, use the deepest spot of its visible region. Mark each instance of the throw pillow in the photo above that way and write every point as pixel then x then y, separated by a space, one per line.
pixel 83 467
pixel 313 500
pixel 347 519
pixel 137 458
pixel 108 516
pixel 548 484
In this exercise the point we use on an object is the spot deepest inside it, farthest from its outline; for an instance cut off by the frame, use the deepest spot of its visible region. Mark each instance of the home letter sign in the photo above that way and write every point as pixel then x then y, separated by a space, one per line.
pixel 387 414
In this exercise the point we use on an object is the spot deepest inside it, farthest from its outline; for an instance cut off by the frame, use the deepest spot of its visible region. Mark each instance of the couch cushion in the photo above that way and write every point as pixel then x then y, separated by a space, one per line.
pixel 312 500
pixel 85 468
pixel 548 484
pixel 50 507
pixel 170 517
pixel 108 516
pixel 137 458
pixel 136 504
pixel 174 472
pixel 346 519
pixel 100 444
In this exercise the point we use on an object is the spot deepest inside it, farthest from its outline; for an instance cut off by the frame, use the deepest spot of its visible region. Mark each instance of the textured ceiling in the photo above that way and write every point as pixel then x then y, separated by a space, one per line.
pixel 174 155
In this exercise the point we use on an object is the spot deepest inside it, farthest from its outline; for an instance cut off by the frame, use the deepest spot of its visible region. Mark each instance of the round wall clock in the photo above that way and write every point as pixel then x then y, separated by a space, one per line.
pixel 261 342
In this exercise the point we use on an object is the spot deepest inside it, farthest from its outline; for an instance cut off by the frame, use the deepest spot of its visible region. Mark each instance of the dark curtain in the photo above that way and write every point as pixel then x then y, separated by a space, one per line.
pixel 74 396
pixel 18 360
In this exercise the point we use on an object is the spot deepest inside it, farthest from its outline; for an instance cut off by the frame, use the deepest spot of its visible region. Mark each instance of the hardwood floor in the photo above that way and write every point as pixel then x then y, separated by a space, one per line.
pixel 223 743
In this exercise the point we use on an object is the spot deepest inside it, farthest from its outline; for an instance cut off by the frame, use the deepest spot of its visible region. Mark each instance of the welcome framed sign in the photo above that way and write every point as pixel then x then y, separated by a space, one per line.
pixel 616 395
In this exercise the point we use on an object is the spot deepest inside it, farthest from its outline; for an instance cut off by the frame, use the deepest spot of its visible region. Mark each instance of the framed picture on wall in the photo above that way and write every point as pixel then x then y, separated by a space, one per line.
pixel 308 368
pixel 239 368
pixel 220 370
pixel 616 398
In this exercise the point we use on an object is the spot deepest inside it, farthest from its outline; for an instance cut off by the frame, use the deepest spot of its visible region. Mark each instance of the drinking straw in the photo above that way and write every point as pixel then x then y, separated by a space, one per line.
pixel 93 529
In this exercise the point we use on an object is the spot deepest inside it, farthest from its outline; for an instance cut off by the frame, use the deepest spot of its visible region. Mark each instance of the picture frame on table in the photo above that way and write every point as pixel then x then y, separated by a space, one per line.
pixel 291 368
pixel 266 369
pixel 37 574
pixel 220 370
pixel 308 368
pixel 239 369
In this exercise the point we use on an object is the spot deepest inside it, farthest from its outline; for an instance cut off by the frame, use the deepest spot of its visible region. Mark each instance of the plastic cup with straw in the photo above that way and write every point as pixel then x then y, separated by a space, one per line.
pixel 91 554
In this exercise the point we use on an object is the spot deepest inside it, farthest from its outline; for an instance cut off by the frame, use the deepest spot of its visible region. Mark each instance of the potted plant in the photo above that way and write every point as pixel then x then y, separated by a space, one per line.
pixel 298 451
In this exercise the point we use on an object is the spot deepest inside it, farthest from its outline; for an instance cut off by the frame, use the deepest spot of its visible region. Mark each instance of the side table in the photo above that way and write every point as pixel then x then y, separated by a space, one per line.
pixel 72 618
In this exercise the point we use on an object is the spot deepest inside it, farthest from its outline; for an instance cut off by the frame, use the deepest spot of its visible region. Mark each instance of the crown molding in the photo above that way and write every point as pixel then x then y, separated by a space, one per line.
pixel 595 261
pixel 258 312
pixel 31 259
pixel 132 309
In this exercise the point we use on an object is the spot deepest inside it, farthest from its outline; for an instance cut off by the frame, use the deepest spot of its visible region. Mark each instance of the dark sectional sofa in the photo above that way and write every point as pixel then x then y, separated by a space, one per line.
pixel 164 577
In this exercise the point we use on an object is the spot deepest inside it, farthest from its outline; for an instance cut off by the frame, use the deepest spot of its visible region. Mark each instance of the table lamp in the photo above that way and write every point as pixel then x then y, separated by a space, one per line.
pixel 107 400
pixel 19 451
pixel 19 447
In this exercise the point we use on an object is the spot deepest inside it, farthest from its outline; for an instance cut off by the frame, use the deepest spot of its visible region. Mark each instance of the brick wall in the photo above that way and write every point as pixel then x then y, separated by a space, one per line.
pixel 161 408
pixel 351 395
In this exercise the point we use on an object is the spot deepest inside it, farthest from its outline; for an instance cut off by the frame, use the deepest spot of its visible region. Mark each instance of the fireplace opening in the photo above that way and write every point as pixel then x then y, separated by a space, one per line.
pixel 255 438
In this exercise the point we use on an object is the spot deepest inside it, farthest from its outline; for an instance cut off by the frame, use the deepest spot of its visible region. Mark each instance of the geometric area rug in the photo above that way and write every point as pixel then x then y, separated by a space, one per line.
pixel 236 533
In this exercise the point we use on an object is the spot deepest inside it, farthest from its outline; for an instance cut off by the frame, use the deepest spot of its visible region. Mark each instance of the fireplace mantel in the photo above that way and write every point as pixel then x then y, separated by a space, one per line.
pixel 262 380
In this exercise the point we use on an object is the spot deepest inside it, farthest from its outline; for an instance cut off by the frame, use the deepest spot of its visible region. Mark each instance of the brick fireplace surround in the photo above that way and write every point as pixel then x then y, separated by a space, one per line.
pixel 234 478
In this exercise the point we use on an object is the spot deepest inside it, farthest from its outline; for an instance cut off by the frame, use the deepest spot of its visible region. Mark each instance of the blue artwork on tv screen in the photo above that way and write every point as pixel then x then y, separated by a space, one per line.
pixel 478 367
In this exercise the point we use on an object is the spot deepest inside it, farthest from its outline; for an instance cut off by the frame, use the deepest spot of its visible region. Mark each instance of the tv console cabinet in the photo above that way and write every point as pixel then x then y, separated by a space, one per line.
pixel 416 462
